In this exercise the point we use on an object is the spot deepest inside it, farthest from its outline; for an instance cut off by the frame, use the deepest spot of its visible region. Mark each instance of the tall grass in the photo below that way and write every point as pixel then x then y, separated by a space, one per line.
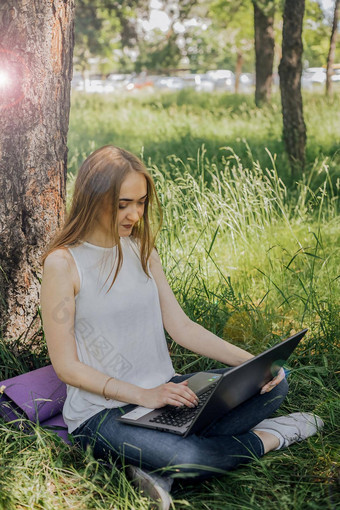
pixel 247 256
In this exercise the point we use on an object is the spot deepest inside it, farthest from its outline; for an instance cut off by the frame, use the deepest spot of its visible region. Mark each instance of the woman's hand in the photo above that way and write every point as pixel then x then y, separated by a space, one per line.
pixel 274 382
pixel 174 394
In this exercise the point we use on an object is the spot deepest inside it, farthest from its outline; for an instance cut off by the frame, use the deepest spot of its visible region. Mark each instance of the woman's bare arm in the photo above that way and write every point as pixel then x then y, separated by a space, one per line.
pixel 58 312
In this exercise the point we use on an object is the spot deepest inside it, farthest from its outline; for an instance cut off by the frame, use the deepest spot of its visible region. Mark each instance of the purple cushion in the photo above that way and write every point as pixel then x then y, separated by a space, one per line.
pixel 39 396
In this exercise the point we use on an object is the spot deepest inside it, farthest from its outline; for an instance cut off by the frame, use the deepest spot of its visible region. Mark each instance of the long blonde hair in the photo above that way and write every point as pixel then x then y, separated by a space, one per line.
pixel 99 180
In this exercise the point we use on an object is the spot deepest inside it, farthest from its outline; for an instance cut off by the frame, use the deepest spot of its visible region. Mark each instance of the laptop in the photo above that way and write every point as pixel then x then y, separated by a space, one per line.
pixel 218 393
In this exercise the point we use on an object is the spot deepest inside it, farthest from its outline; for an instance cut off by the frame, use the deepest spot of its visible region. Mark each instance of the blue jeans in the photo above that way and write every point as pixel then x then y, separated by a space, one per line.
pixel 221 446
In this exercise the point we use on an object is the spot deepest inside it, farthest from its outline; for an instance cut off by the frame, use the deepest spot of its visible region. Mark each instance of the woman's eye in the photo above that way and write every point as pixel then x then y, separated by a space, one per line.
pixel 140 203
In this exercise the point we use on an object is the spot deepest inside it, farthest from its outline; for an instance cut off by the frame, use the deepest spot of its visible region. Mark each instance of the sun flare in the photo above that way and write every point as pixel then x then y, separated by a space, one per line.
pixel 4 79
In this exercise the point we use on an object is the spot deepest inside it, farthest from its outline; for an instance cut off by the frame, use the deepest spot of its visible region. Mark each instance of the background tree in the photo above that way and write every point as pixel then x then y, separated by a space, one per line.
pixel 290 69
pixel 36 61
pixel 331 53
pixel 264 49
pixel 258 26
pixel 109 31
pixel 230 23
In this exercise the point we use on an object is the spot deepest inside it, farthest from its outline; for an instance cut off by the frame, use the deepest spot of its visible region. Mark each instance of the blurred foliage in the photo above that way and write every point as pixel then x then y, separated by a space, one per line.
pixel 107 29
pixel 160 50
pixel 316 36
pixel 160 53
pixel 202 35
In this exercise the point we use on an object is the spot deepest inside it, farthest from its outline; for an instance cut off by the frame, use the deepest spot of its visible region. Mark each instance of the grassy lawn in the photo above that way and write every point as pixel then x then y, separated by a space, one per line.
pixel 252 253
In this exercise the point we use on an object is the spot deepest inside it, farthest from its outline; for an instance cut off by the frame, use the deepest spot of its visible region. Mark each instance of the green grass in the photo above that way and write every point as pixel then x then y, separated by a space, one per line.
pixel 158 125
pixel 251 255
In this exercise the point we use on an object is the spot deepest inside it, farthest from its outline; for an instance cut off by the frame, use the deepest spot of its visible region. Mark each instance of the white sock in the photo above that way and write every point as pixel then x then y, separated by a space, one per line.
pixel 276 434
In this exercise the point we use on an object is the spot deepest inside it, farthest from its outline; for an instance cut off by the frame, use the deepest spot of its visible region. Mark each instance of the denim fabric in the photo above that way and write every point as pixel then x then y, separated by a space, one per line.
pixel 221 446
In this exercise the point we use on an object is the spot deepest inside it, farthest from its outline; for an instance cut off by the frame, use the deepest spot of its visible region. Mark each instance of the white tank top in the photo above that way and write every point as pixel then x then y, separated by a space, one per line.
pixel 119 333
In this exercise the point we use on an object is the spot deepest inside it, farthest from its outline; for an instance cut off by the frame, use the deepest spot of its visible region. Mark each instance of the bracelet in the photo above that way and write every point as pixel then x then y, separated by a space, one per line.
pixel 109 379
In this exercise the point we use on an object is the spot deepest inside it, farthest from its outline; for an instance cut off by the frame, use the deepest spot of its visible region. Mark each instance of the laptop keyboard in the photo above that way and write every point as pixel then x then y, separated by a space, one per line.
pixel 179 416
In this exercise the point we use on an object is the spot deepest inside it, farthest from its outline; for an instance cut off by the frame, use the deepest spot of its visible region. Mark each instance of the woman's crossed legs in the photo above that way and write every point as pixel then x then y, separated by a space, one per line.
pixel 224 444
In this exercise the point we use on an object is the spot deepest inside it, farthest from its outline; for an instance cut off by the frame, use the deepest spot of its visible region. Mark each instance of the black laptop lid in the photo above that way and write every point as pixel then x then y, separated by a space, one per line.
pixel 247 379
pixel 243 382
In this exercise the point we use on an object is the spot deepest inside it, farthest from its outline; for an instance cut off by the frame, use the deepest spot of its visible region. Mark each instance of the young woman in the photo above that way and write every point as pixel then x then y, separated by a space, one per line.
pixel 105 301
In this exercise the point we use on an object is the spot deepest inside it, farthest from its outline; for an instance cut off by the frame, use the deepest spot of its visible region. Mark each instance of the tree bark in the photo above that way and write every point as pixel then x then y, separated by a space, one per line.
pixel 36 48
pixel 264 52
pixel 290 68
pixel 331 53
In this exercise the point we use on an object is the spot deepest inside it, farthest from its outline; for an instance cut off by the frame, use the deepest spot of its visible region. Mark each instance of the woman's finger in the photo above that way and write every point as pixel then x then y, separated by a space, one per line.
pixel 183 394
pixel 191 395
pixel 190 398
pixel 274 382
pixel 180 401
pixel 175 403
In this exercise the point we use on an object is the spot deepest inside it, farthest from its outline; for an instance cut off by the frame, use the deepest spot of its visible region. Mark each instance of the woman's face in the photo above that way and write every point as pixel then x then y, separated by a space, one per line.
pixel 132 197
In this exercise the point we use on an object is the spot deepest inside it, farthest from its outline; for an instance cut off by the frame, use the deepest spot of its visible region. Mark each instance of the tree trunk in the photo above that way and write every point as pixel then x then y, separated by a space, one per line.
pixel 36 49
pixel 238 70
pixel 331 53
pixel 290 68
pixel 264 52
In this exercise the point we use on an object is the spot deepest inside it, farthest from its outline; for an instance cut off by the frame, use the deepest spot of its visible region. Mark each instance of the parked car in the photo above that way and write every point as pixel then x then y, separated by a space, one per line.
pixel 247 82
pixel 336 75
pixel 313 76
pixel 169 82
pixel 98 86
pixel 190 80
pixel 199 82
pixel 204 83
pixel 142 81
pixel 223 79
pixel 119 81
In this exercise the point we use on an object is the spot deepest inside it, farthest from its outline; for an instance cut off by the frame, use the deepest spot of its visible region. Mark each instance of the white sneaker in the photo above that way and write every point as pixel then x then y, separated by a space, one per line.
pixel 292 428
pixel 155 486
